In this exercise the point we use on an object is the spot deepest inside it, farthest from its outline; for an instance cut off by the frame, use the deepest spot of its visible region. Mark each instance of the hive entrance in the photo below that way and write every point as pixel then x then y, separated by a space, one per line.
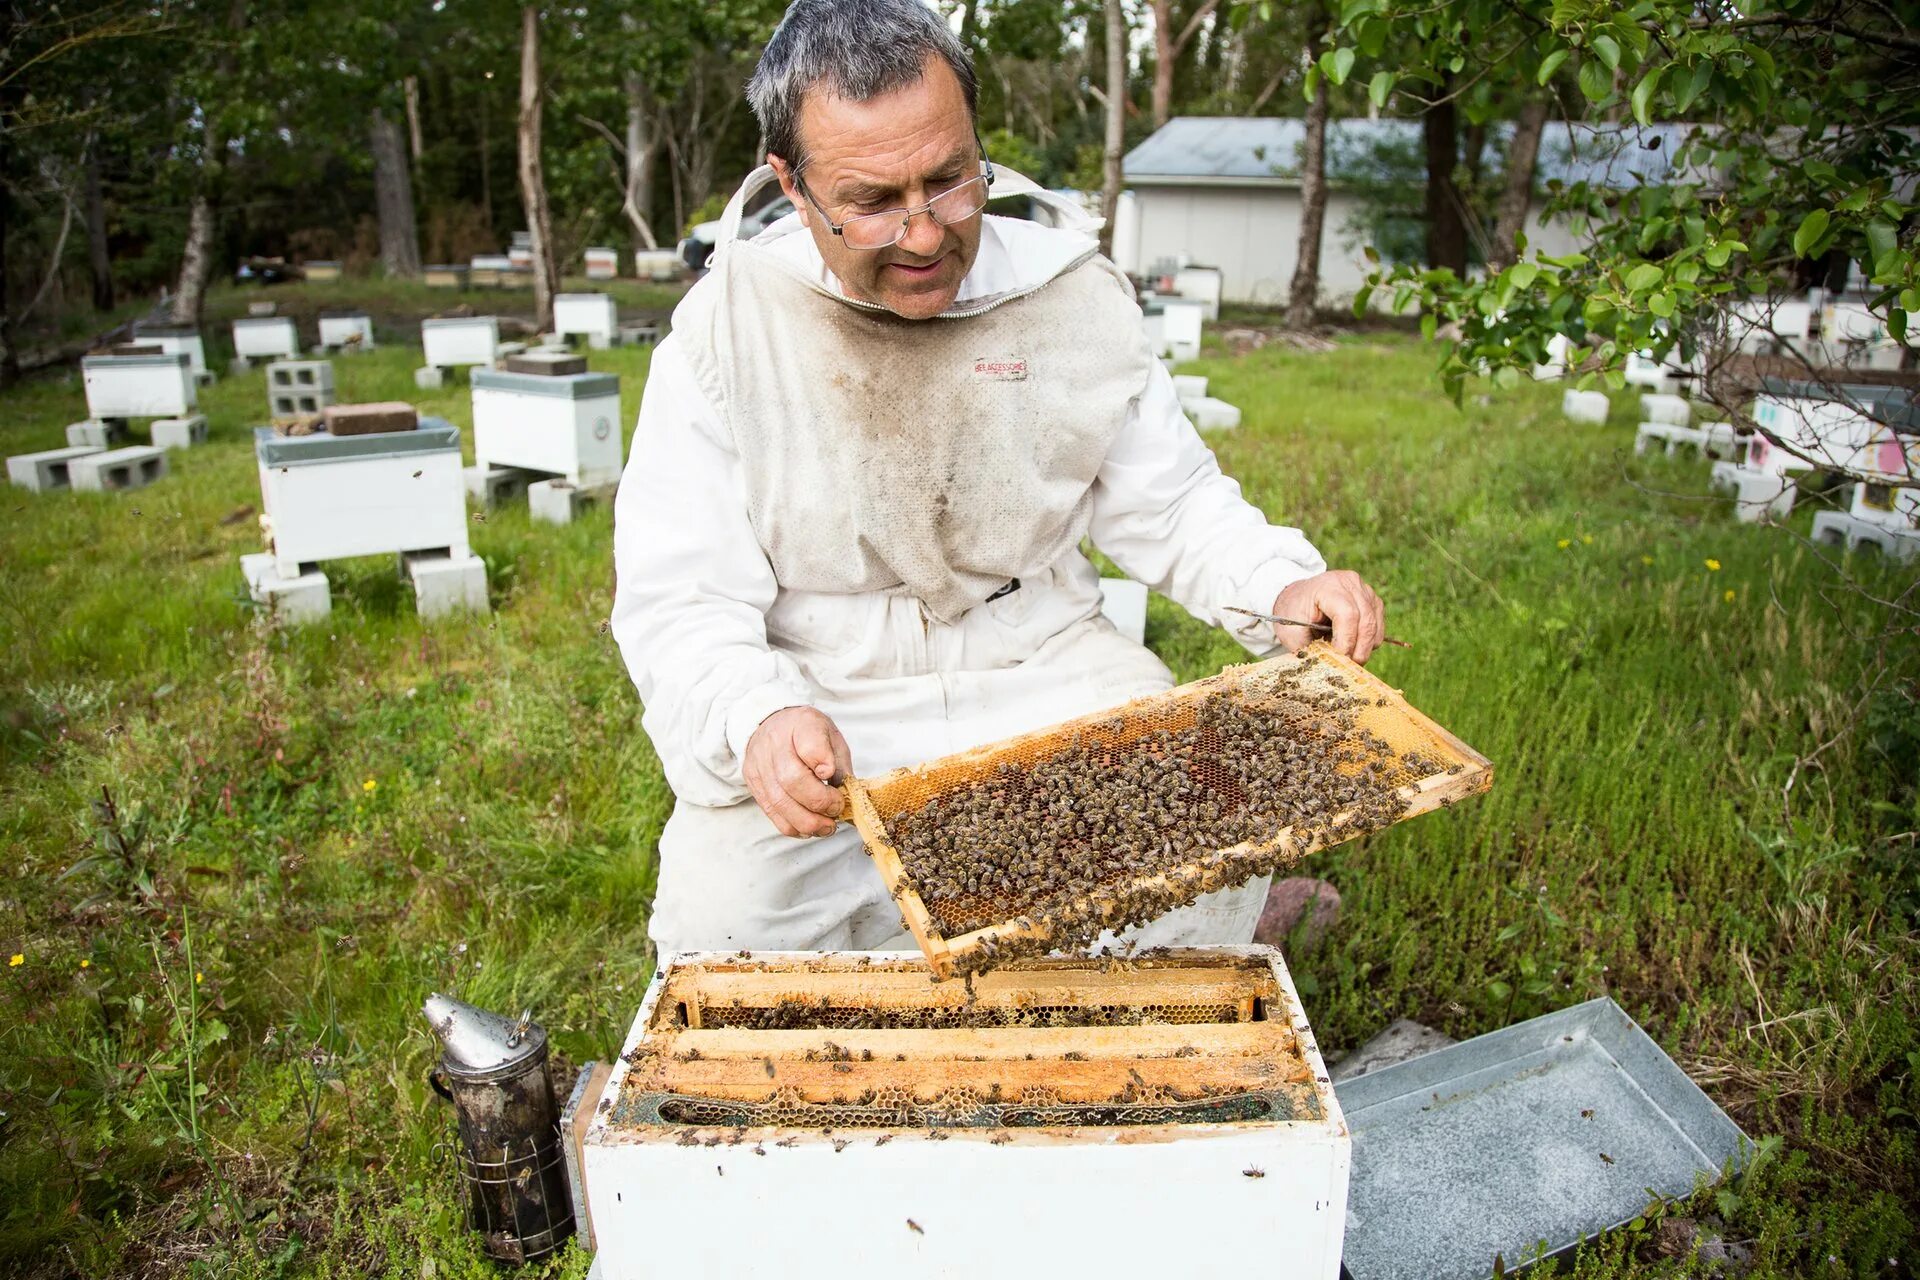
pixel 838 1042
pixel 1044 841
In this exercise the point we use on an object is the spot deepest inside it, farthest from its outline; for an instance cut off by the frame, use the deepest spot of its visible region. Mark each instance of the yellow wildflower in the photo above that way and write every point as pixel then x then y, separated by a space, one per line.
pixel 1586 539
pixel 86 964
pixel 1565 543
pixel 1646 559
pixel 1713 566
pixel 199 978
pixel 15 960
pixel 1728 595
pixel 370 784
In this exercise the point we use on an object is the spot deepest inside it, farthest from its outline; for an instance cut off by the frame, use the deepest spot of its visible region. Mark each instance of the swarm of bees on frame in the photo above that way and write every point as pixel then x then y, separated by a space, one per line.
pixel 799 1014
pixel 1113 830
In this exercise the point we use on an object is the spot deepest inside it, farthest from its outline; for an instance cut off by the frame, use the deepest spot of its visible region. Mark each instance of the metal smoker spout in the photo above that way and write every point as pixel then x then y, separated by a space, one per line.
pixel 477 1043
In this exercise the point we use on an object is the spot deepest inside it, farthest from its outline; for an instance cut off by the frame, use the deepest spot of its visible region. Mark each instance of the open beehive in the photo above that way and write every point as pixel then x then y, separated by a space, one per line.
pixel 834 1109
pixel 1112 819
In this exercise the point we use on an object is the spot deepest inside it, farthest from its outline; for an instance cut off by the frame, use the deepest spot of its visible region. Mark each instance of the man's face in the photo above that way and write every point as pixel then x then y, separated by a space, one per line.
pixel 898 150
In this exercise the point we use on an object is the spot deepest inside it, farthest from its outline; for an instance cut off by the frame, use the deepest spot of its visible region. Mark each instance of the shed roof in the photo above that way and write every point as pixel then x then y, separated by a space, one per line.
pixel 1261 151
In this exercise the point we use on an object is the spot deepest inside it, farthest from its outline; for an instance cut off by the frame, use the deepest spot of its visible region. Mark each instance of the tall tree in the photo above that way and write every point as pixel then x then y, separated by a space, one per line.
pixel 1303 295
pixel 393 197
pixel 1516 195
pixel 533 181
pixel 1167 48
pixel 99 257
pixel 1116 130
pixel 1446 211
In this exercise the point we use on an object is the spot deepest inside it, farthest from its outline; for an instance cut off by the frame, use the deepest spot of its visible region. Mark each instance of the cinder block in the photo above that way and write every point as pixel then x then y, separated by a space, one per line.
pixel 1585 406
pixel 299 386
pixel 551 364
pixel 600 341
pixel 430 377
pixel 491 486
pixel 444 584
pixel 1212 414
pixel 1191 388
pixel 639 335
pixel 116 470
pixel 558 502
pixel 96 433
pixel 1124 602
pixel 296 600
pixel 45 471
pixel 180 433
pixel 370 419
pixel 1664 408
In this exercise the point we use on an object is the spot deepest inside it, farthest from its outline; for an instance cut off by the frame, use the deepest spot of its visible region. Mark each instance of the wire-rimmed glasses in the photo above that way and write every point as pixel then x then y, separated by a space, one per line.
pixel 885 229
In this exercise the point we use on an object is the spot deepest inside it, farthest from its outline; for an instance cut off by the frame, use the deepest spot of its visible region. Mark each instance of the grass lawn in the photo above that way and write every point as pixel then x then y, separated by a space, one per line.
pixel 213 1054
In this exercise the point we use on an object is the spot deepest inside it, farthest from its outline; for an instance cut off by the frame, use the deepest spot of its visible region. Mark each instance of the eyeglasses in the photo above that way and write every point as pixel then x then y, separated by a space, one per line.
pixel 885 229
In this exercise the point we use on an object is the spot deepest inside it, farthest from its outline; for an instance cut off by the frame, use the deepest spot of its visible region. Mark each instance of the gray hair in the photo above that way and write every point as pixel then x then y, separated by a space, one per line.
pixel 855 49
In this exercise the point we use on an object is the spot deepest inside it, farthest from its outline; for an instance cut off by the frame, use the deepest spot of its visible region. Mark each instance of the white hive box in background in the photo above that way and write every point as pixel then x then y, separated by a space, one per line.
pixel 176 339
pixel 347 331
pixel 591 315
pixel 565 426
pixel 326 497
pixel 265 338
pixel 1180 324
pixel 1655 407
pixel 1202 285
pixel 152 386
pixel 656 264
pixel 460 340
pixel 827 1115
pixel 602 263
pixel 1585 406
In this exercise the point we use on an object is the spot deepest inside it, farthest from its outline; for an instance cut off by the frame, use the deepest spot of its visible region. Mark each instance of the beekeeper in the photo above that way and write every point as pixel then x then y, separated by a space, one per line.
pixel 849 535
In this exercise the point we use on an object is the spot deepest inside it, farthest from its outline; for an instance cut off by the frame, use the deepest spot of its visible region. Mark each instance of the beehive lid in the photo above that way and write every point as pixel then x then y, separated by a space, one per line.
pixel 854 1041
pixel 1321 700
pixel 154 360
pixel 566 386
pixel 433 435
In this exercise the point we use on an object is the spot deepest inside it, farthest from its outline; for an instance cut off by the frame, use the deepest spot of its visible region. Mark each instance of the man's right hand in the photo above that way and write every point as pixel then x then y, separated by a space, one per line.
pixel 790 759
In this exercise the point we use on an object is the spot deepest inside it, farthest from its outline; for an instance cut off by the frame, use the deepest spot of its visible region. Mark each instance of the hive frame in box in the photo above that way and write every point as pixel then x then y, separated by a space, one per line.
pixel 871 801
pixel 680 1197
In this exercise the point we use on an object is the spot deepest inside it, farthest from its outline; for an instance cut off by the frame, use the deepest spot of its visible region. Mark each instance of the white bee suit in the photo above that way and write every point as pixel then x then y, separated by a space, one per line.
pixel 820 502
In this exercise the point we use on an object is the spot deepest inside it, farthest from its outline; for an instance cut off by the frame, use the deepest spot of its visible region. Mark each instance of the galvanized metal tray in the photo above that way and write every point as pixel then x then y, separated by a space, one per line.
pixel 1525 1140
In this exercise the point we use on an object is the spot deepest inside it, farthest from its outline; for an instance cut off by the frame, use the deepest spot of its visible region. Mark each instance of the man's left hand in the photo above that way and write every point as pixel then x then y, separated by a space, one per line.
pixel 1339 597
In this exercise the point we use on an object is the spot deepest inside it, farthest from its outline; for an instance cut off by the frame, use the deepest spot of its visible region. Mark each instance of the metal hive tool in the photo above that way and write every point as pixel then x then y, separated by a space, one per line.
pixel 1372 759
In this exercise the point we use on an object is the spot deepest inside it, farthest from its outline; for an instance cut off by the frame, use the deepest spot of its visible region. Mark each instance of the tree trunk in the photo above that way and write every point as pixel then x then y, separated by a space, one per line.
pixel 486 165
pixel 196 260
pixel 638 201
pixel 1516 199
pixel 1116 120
pixel 97 256
pixel 412 88
pixel 393 197
pixel 1163 56
pixel 1303 295
pixel 533 182
pixel 1446 230
pixel 9 348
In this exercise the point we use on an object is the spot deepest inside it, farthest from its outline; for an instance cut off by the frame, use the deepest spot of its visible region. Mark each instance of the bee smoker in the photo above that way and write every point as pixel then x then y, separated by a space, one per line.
pixel 512 1164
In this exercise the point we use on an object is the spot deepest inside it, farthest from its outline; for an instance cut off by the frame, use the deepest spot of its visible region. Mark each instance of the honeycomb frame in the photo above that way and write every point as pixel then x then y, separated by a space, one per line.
pixel 1459 771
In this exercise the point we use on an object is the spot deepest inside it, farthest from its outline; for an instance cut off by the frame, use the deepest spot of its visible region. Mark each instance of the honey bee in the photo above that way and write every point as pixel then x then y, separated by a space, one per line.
pixel 1253 1171
pixel 915 1227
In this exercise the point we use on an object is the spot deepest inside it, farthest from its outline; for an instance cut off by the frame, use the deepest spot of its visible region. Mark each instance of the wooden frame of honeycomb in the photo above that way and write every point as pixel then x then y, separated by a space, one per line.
pixel 1458 771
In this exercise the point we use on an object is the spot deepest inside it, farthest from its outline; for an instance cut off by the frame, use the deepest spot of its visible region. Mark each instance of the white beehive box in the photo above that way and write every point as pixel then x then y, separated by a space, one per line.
pixel 346 332
pixel 265 337
pixel 863 1136
pixel 566 426
pixel 460 340
pixel 176 339
pixel 602 263
pixel 1842 322
pixel 150 386
pixel 326 497
pixel 1180 324
pixel 1585 406
pixel 591 315
pixel 1758 325
pixel 656 264
pixel 1202 285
